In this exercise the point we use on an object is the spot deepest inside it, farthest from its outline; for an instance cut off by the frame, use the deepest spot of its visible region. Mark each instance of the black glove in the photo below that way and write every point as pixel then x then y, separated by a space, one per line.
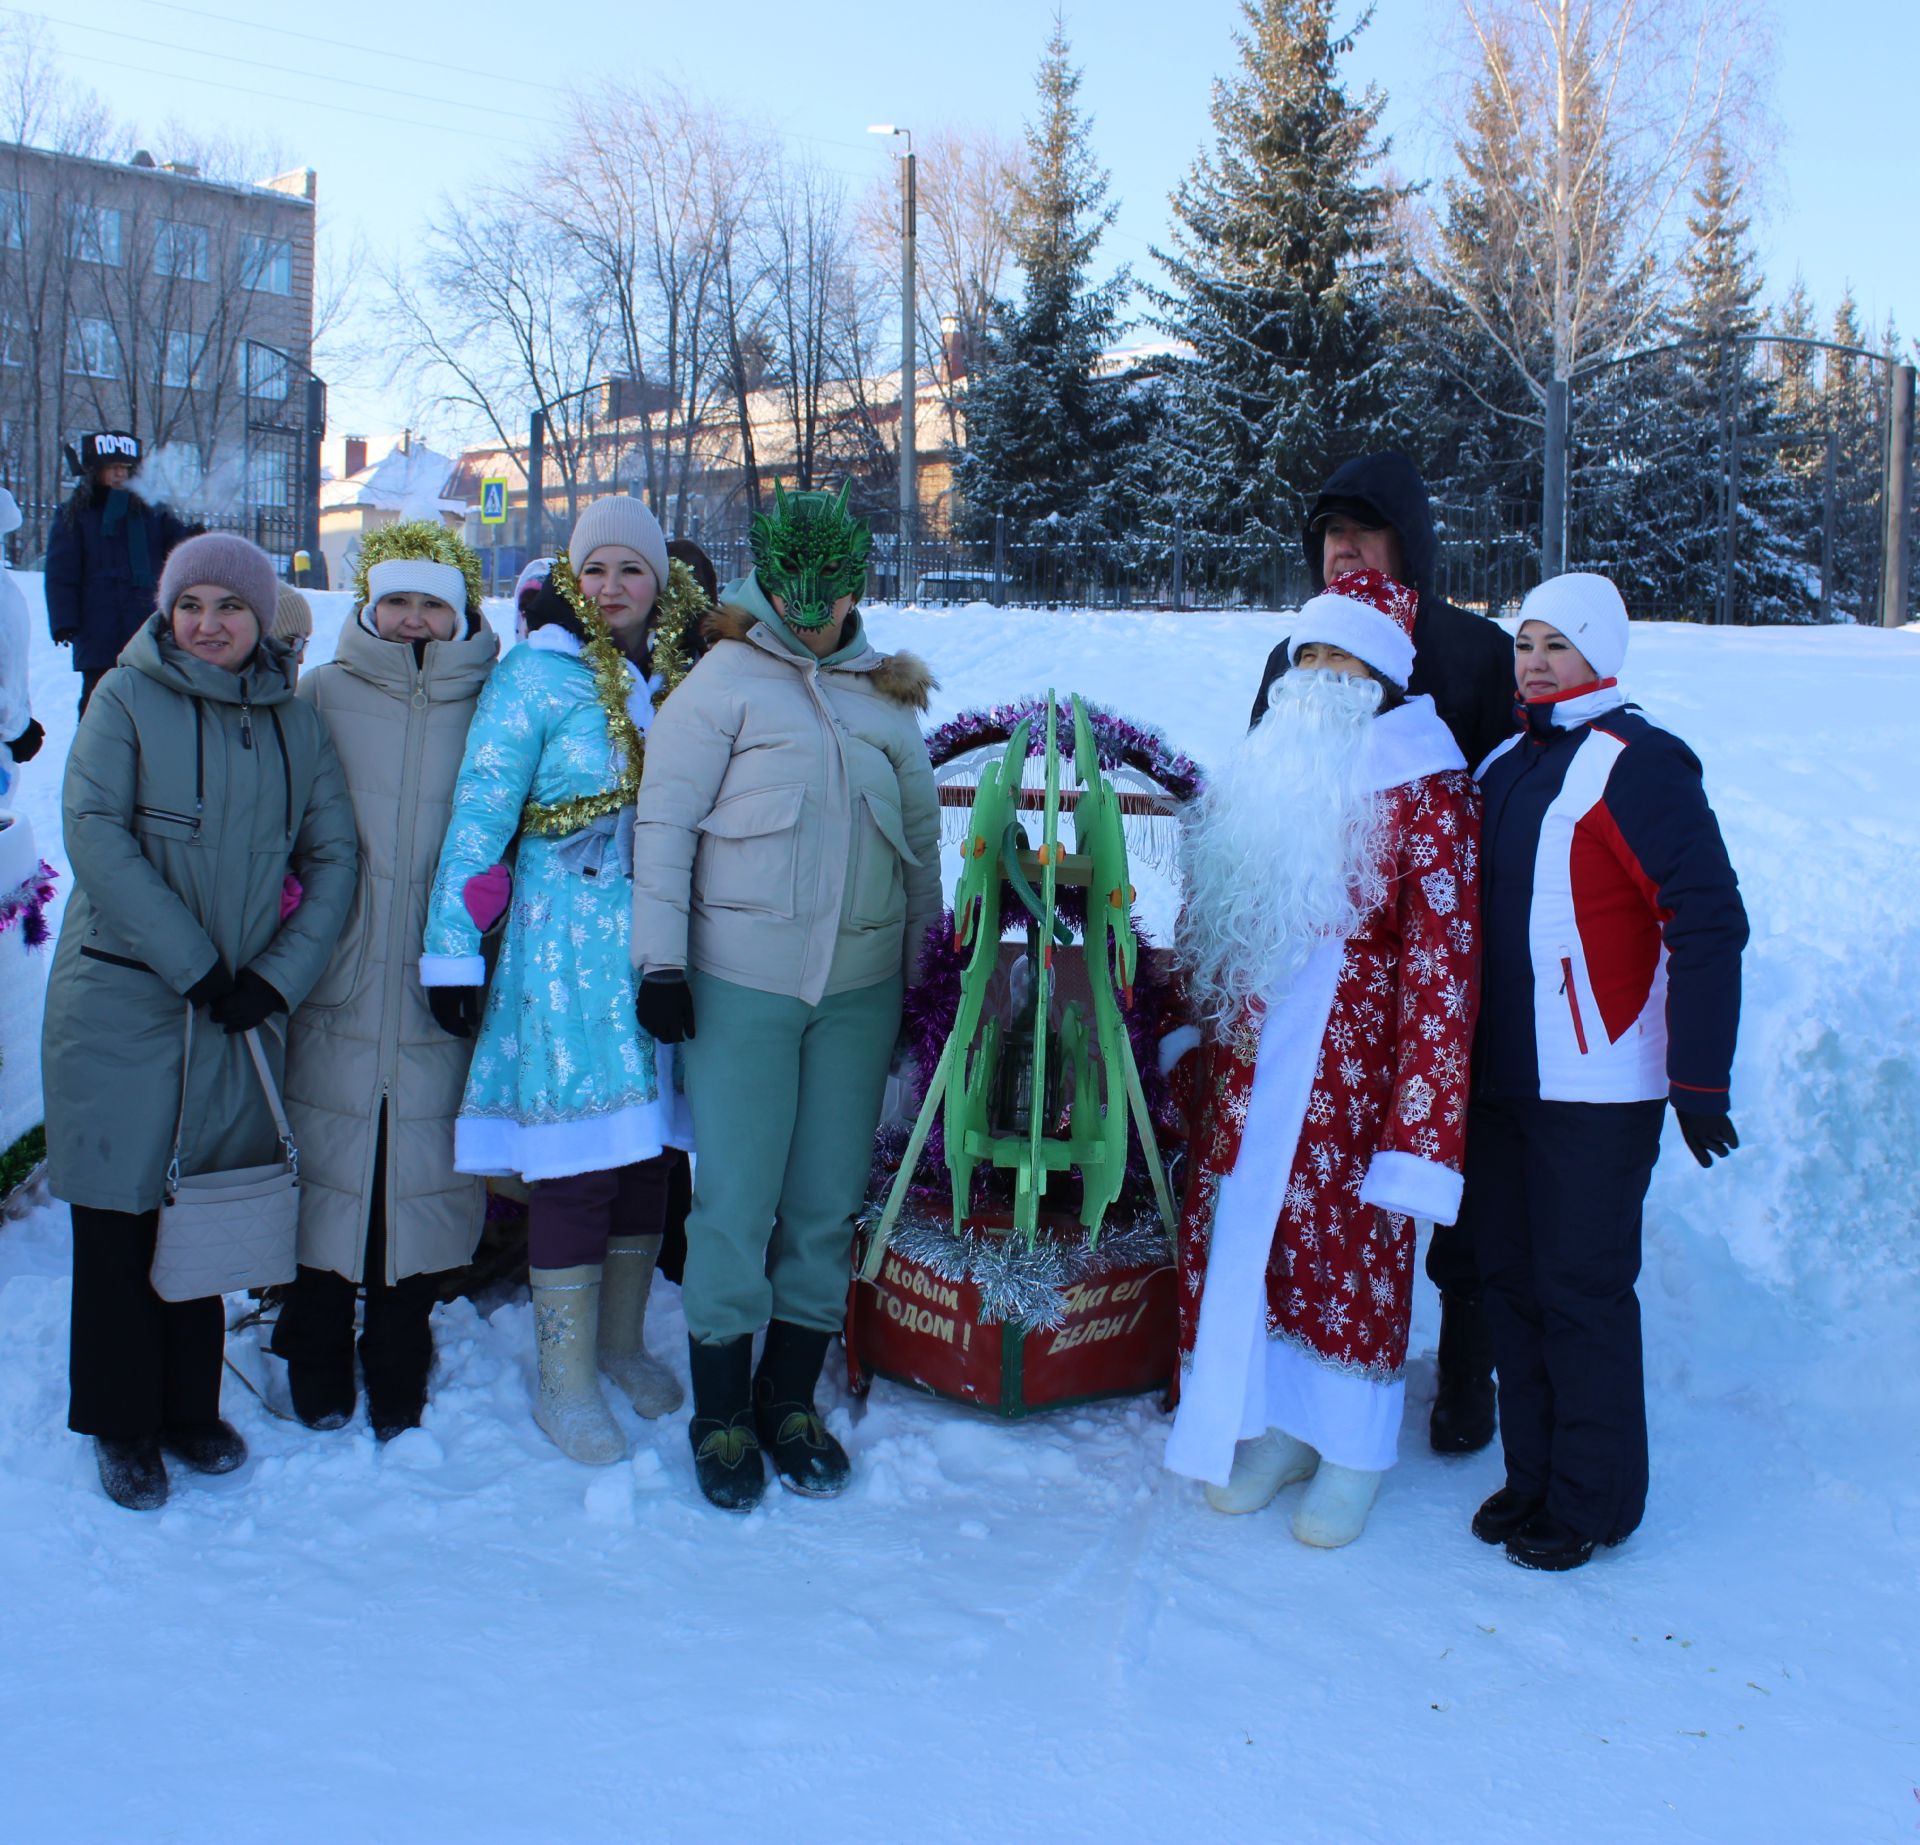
pixel 665 1005
pixel 26 746
pixel 215 984
pixel 252 1002
pixel 456 1010
pixel 1707 1135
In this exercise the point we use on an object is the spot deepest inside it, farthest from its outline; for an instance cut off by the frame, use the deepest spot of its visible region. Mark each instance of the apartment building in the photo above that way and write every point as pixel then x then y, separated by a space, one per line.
pixel 145 296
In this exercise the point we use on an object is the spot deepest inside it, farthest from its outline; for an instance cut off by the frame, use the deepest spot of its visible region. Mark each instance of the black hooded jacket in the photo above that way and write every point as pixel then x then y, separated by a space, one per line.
pixel 1464 661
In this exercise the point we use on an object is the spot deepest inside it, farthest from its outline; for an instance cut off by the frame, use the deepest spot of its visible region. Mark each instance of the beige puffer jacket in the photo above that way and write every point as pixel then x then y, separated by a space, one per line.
pixel 365 1034
pixel 787 834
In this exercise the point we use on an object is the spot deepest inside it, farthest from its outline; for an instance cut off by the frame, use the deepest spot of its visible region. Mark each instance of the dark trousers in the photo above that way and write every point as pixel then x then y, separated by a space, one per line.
pixel 1553 1198
pixel 315 1326
pixel 136 1364
pixel 1450 1263
pixel 88 680
pixel 570 1219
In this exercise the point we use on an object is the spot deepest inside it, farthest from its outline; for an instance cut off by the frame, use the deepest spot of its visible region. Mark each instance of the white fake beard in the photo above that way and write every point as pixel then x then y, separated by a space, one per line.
pixel 1282 849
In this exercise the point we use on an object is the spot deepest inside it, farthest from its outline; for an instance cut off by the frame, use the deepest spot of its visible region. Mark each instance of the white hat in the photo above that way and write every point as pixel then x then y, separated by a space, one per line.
pixel 1369 615
pixel 9 513
pixel 420 575
pixel 1587 609
pixel 619 520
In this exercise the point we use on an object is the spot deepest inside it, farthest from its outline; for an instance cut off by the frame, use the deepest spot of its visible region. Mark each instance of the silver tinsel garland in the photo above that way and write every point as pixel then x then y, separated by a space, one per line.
pixel 1022 1287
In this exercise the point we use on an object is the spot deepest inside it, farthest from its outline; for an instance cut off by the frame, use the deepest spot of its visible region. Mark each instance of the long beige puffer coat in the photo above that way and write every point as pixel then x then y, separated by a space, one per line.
pixel 787 835
pixel 365 1038
pixel 190 793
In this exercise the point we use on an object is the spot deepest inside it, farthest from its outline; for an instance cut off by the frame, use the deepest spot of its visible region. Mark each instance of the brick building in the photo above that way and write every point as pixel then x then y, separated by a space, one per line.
pixel 146 297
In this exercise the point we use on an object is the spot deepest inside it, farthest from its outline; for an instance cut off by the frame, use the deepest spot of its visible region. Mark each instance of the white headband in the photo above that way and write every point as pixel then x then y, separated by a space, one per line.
pixel 422 576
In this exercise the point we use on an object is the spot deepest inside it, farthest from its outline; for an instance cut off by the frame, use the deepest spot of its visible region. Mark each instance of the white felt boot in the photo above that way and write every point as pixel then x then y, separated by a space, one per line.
pixel 649 1386
pixel 1260 1468
pixel 1333 1510
pixel 568 1403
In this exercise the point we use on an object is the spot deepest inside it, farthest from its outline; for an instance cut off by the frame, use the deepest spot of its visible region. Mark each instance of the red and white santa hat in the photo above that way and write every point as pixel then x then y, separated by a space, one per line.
pixel 1369 615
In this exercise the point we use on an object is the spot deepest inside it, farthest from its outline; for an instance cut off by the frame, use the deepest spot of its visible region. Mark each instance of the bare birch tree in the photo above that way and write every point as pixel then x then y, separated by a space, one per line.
pixel 1603 111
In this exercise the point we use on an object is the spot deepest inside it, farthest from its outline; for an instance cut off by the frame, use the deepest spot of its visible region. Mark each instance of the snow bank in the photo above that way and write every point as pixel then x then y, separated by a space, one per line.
pixel 1032 1628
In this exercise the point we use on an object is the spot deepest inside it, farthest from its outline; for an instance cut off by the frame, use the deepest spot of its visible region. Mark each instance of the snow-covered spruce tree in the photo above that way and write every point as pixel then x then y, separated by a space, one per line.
pixel 1273 284
pixel 1851 395
pixel 1692 412
pixel 1454 401
pixel 1046 429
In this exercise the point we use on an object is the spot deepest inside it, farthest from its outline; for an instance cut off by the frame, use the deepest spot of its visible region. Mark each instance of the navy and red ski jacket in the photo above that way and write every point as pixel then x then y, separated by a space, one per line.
pixel 1611 921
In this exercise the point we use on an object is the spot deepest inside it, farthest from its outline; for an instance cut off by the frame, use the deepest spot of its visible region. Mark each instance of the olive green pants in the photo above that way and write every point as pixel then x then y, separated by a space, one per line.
pixel 785 1099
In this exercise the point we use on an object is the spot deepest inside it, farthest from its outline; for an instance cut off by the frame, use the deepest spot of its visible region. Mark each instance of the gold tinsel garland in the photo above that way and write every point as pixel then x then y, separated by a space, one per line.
pixel 611 682
pixel 682 606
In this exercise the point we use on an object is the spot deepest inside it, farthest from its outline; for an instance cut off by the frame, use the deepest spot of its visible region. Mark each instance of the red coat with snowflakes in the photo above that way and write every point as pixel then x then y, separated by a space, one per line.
pixel 1388 1099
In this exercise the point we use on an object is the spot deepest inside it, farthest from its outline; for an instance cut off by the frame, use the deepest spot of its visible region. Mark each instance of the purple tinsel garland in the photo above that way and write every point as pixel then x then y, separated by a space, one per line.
pixel 28 906
pixel 1118 741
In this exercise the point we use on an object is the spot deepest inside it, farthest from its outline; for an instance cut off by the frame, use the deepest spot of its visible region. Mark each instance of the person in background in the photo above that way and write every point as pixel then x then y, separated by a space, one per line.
pixel 373 1082
pixel 196 783
pixel 104 556
pixel 1373 514
pixel 20 735
pixel 566 1089
pixel 1329 943
pixel 786 870
pixel 292 626
pixel 526 590
pixel 1611 988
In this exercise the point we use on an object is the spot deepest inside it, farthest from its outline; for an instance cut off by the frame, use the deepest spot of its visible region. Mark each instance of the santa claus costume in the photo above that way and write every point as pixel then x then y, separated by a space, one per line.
pixel 1330 943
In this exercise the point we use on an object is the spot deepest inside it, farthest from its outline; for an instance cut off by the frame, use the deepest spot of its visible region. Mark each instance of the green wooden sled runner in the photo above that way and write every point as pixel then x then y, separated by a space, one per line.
pixel 1100 1092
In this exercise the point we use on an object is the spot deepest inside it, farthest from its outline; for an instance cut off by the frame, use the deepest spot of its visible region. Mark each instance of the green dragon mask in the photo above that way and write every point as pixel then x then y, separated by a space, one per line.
pixel 810 551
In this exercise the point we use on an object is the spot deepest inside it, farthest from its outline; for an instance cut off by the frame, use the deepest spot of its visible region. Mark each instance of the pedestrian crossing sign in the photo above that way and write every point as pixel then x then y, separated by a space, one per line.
pixel 493 502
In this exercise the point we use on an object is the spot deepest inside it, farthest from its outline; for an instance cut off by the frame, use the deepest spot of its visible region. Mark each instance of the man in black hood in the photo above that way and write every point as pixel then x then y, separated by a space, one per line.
pixel 1373 514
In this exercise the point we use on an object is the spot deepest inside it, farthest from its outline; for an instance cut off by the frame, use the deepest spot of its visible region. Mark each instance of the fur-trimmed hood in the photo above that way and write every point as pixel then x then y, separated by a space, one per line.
pixel 903 677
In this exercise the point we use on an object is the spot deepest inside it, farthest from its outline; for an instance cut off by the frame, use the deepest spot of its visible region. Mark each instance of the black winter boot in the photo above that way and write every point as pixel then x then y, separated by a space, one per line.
pixel 1545 1543
pixel 1463 1404
pixel 132 1472
pixel 211 1447
pixel 322 1394
pixel 726 1450
pixel 1503 1513
pixel 808 1460
pixel 396 1399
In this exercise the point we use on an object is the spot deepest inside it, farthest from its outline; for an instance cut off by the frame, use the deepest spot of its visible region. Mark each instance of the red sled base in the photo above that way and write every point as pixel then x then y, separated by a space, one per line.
pixel 916 1327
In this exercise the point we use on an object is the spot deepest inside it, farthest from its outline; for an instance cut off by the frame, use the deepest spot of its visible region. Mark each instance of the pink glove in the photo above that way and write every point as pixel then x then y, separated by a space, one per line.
pixel 291 893
pixel 487 895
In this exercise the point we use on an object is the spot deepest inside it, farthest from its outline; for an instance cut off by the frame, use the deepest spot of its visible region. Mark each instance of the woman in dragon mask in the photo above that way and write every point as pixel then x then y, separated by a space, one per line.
pixel 785 870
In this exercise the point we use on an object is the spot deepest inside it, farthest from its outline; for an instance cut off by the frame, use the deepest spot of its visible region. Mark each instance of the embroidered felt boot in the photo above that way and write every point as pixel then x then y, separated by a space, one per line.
pixel 568 1404
pixel 1333 1510
pixel 649 1386
pixel 1463 1399
pixel 1260 1468
pixel 726 1448
pixel 132 1472
pixel 808 1459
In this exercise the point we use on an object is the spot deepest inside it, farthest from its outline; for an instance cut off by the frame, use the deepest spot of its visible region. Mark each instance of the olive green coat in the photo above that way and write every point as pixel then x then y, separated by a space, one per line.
pixel 365 1035
pixel 190 793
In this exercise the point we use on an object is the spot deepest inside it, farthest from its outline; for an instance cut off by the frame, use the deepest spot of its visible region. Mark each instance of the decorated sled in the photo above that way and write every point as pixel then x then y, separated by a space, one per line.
pixel 1019 1253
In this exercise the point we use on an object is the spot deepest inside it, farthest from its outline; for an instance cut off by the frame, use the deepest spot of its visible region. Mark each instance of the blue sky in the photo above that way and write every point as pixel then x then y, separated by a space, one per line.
pixel 421 107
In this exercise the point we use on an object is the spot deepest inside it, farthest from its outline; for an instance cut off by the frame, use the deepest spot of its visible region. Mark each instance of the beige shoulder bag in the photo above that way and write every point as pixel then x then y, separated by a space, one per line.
pixel 224 1231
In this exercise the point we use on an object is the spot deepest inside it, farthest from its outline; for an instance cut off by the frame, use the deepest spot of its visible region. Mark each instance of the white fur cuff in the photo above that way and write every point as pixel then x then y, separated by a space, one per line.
pixel 1414 1187
pixel 1176 1044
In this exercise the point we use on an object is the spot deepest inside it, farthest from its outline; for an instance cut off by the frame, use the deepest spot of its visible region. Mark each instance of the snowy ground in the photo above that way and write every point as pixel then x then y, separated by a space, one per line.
pixel 1030 1631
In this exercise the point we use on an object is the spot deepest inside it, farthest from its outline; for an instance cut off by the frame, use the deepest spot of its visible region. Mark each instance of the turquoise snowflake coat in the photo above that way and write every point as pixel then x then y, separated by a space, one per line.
pixel 563 1079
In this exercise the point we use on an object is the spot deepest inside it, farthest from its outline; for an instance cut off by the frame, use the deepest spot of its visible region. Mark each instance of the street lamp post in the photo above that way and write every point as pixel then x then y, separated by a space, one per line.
pixel 909 368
